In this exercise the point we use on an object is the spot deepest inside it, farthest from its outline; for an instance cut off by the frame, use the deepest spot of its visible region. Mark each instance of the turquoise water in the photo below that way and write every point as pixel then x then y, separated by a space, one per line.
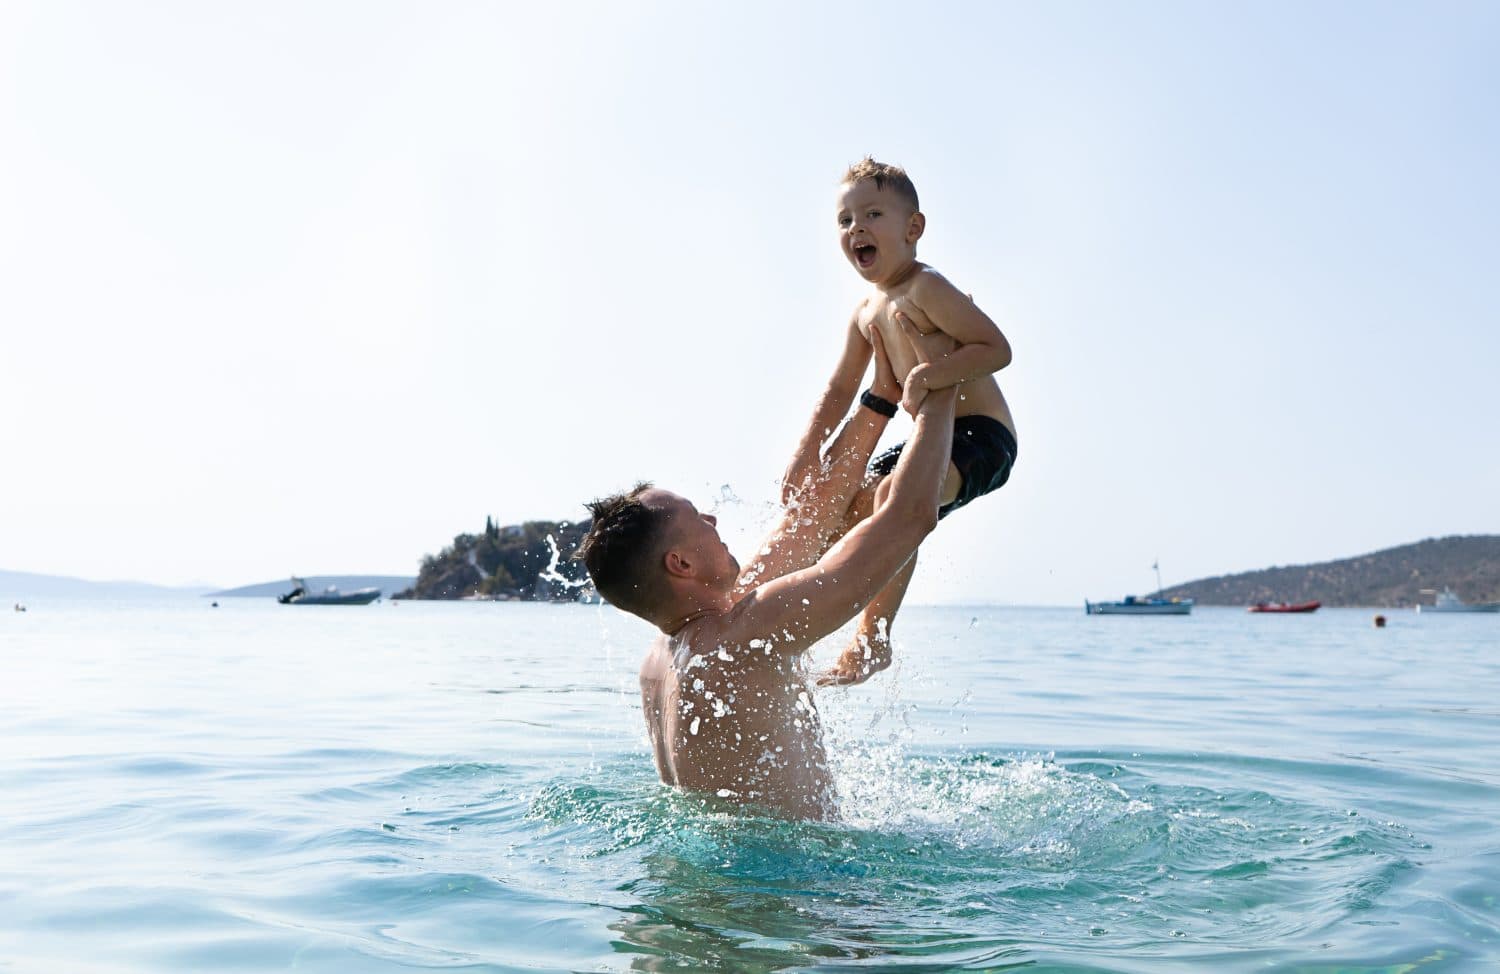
pixel 260 787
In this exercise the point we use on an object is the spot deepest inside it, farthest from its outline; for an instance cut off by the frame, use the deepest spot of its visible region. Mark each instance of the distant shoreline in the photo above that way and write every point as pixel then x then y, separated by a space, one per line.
pixel 1392 578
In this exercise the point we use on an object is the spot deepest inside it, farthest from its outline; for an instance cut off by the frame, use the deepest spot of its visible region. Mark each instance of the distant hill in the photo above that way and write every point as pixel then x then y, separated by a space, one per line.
pixel 525 562
pixel 388 585
pixel 1392 578
pixel 20 586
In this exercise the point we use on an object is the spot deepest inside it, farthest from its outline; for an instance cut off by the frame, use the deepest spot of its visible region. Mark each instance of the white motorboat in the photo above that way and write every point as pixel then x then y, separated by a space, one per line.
pixel 301 595
pixel 1448 601
pixel 1132 606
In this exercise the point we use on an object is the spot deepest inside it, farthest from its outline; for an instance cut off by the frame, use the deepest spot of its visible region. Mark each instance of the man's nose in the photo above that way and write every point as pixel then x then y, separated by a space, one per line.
pixel 711 519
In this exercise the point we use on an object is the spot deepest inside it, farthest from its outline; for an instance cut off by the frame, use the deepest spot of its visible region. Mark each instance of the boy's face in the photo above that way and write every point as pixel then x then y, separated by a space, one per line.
pixel 878 230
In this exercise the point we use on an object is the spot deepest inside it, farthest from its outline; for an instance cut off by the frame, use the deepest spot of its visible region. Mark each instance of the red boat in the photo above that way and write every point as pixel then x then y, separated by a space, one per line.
pixel 1285 606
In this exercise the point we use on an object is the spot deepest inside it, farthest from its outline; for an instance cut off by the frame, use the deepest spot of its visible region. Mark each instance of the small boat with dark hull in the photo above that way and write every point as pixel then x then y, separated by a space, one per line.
pixel 302 595
pixel 1285 607
pixel 1132 605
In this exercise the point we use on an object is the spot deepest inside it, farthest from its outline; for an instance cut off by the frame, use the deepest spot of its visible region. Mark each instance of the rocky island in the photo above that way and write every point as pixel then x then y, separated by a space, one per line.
pixel 526 562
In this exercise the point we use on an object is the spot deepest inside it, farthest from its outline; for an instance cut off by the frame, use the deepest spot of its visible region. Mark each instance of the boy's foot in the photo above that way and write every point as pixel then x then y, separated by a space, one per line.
pixel 867 655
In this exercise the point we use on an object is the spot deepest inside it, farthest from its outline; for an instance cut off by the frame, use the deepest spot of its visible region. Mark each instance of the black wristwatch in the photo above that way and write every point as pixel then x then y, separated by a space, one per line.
pixel 880 405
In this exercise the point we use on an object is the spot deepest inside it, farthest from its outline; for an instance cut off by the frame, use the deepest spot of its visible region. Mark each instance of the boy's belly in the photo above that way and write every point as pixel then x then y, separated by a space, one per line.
pixel 976 397
pixel 982 397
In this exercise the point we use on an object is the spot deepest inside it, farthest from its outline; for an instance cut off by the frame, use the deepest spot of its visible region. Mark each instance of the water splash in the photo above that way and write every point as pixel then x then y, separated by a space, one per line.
pixel 998 852
pixel 726 497
pixel 551 573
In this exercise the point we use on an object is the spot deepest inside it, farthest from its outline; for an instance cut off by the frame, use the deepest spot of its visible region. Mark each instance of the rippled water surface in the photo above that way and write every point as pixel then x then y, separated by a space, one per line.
pixel 260 787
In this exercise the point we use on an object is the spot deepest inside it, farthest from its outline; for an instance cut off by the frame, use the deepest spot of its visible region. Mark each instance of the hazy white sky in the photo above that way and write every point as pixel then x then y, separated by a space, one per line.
pixel 312 288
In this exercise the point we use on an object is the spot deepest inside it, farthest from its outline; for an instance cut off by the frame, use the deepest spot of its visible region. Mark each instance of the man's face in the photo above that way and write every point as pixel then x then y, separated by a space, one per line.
pixel 696 536
pixel 876 231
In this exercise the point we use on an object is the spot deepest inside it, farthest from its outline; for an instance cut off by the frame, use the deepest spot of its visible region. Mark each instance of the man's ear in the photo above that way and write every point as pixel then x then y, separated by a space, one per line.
pixel 676 565
pixel 915 227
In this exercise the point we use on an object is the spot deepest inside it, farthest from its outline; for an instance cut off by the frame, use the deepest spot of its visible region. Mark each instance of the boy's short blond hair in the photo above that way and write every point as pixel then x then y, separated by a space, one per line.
pixel 884 175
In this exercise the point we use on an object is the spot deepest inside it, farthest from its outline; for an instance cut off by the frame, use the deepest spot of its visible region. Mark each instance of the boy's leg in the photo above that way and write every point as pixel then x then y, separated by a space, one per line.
pixel 870 650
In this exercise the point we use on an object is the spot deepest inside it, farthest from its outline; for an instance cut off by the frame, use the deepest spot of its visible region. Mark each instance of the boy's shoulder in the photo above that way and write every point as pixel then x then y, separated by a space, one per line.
pixel 929 280
pixel 925 286
pixel 929 285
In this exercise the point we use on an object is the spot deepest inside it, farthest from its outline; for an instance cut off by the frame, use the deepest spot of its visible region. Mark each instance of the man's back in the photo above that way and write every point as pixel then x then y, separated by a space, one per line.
pixel 735 721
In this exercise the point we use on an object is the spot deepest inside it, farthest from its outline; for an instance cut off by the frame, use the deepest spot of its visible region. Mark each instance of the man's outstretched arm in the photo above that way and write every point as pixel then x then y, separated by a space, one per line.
pixel 800 536
pixel 793 612
pixel 831 407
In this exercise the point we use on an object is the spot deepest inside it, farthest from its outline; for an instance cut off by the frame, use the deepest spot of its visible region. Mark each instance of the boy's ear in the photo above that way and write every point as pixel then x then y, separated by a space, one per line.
pixel 915 226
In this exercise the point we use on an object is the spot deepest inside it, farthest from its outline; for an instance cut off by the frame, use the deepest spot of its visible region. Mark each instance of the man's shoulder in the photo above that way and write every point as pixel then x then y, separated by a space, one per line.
pixel 655 663
pixel 718 640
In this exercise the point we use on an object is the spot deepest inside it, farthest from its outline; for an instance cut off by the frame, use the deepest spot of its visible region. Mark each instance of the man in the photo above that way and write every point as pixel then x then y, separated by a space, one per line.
pixel 726 702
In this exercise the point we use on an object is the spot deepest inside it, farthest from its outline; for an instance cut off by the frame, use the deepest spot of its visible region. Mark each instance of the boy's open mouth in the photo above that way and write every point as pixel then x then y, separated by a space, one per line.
pixel 864 254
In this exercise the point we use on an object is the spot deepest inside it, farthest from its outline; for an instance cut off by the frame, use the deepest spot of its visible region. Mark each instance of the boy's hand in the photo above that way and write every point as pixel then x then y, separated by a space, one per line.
pixel 929 348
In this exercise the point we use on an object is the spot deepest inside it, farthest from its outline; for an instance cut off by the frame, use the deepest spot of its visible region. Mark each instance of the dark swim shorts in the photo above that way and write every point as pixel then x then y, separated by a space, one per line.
pixel 984 450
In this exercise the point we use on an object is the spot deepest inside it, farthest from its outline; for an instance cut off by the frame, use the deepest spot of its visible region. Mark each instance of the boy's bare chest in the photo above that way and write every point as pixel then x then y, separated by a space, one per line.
pixel 879 312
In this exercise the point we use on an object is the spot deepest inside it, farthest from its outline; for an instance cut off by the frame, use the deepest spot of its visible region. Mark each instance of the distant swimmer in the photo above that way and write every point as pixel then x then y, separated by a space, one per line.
pixel 879 224
pixel 729 710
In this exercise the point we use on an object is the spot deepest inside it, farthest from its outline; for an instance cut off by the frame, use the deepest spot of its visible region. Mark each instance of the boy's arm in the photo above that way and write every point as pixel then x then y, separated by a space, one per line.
pixel 832 406
pixel 982 348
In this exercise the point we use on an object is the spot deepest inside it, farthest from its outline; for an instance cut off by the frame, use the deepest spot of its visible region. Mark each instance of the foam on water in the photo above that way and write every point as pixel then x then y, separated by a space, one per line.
pixel 1073 854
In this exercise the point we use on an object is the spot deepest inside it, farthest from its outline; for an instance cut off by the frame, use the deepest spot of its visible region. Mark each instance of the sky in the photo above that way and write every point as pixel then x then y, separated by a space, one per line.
pixel 311 288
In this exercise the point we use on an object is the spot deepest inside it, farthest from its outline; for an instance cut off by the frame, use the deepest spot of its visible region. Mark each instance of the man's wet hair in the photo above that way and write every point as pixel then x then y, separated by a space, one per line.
pixel 884 175
pixel 622 547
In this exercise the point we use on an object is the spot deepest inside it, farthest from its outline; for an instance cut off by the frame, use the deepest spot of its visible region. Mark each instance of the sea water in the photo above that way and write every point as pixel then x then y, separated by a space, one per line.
pixel 258 787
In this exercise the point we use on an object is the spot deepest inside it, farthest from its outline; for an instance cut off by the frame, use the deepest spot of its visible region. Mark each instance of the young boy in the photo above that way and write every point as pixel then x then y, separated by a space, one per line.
pixel 880 222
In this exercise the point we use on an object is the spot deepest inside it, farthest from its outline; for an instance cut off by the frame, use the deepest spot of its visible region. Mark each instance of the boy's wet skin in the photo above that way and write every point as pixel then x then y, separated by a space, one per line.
pixel 879 225
pixel 879 243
